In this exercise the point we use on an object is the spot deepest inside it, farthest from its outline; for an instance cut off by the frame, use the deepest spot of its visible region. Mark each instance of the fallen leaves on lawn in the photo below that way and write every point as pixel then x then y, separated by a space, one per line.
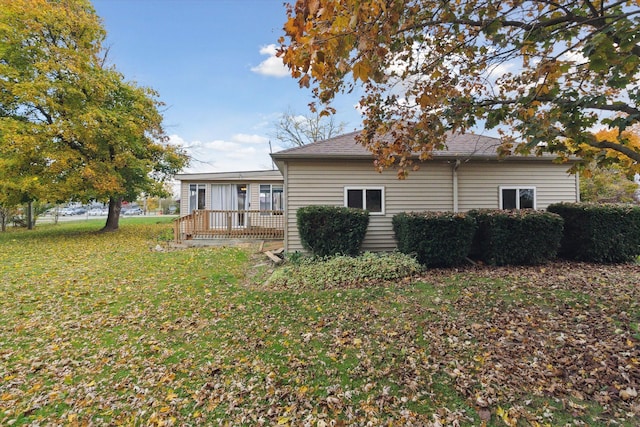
pixel 567 331
pixel 100 330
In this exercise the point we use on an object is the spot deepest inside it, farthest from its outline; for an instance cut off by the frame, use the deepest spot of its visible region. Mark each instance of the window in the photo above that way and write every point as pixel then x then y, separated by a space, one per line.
pixel 197 197
pixel 271 198
pixel 371 199
pixel 517 197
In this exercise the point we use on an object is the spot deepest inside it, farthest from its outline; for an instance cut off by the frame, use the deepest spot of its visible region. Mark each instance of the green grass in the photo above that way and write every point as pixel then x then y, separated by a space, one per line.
pixel 102 329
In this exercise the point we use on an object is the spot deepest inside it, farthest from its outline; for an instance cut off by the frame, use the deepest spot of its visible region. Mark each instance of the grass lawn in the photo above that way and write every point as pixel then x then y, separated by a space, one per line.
pixel 101 329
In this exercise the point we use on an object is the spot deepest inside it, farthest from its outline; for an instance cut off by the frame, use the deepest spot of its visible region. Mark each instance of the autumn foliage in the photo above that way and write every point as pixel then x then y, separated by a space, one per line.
pixel 544 74
pixel 71 126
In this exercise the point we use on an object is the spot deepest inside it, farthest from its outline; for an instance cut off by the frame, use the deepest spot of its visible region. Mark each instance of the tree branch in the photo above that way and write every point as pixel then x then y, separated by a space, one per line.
pixel 616 146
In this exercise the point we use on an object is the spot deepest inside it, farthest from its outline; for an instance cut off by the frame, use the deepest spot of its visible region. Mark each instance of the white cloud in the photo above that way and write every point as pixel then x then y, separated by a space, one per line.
pixel 272 66
pixel 249 139
pixel 242 153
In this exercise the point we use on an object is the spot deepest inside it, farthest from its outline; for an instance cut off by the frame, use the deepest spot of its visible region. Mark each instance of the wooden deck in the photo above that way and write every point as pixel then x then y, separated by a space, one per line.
pixel 222 224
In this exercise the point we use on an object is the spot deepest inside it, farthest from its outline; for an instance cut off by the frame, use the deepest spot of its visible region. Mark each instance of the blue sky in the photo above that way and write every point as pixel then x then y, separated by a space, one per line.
pixel 212 65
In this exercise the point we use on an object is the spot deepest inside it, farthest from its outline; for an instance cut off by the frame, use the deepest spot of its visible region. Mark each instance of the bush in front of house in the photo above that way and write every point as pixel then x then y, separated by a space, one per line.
pixel 331 230
pixel 602 233
pixel 368 269
pixel 438 239
pixel 516 237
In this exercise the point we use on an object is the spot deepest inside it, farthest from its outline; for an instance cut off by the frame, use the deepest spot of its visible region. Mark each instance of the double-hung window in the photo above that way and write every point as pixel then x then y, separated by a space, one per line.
pixel 369 198
pixel 271 198
pixel 197 196
pixel 517 197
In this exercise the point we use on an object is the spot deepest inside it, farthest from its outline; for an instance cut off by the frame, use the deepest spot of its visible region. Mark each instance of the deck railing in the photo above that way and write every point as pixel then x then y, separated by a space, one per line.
pixel 223 224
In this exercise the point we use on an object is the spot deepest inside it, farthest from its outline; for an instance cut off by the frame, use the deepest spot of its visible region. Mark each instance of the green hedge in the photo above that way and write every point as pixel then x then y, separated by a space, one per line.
pixel 517 237
pixel 438 239
pixel 332 230
pixel 603 233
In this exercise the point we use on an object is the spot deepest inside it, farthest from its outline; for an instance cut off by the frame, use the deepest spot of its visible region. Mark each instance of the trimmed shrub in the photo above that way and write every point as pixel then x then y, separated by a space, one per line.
pixel 331 230
pixel 603 233
pixel 516 237
pixel 368 269
pixel 438 239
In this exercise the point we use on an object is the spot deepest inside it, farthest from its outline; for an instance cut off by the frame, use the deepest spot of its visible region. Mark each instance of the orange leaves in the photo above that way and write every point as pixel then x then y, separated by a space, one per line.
pixel 418 60
pixel 183 338
pixel 361 70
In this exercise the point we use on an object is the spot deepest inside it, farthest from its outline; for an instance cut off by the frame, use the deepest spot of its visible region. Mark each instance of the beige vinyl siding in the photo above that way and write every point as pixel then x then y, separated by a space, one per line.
pixel 479 182
pixel 429 188
pixel 323 183
pixel 254 195
pixel 184 198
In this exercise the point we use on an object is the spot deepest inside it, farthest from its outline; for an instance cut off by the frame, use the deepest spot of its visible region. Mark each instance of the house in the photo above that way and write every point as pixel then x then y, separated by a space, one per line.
pixel 467 175
pixel 231 205
pixel 339 171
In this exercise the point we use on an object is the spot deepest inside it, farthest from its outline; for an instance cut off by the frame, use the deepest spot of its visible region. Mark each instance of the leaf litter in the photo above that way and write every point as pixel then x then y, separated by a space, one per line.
pixel 129 336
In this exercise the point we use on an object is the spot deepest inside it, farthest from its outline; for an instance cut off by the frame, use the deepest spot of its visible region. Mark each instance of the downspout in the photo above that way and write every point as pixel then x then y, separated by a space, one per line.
pixel 285 176
pixel 578 187
pixel 456 165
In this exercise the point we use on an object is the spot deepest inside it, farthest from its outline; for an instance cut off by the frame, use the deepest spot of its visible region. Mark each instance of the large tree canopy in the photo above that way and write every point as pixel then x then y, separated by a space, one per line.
pixel 70 126
pixel 546 74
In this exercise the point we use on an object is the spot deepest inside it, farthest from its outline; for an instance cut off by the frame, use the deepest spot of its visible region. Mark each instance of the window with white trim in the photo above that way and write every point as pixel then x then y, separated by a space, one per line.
pixel 197 196
pixel 517 197
pixel 369 198
pixel 271 198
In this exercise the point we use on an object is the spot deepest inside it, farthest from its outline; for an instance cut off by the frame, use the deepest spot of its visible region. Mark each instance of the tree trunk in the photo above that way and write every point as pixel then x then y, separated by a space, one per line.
pixel 30 221
pixel 113 217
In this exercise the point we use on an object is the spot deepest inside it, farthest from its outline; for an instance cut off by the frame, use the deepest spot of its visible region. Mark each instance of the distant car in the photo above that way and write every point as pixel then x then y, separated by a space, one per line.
pixel 133 211
pixel 67 211
pixel 98 212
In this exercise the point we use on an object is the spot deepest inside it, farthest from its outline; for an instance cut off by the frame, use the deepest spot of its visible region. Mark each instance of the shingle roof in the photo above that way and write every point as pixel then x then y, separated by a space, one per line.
pixel 345 146
pixel 263 175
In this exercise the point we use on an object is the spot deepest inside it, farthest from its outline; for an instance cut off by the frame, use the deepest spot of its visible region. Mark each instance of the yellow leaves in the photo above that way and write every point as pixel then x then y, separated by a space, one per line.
pixel 527 113
pixel 221 358
pixel 508 419
pixel 361 70
pixel 291 27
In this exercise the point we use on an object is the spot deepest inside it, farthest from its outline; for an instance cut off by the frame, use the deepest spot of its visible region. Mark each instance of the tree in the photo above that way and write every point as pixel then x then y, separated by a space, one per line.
pixel 68 120
pixel 613 181
pixel 295 130
pixel 544 73
pixel 607 184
